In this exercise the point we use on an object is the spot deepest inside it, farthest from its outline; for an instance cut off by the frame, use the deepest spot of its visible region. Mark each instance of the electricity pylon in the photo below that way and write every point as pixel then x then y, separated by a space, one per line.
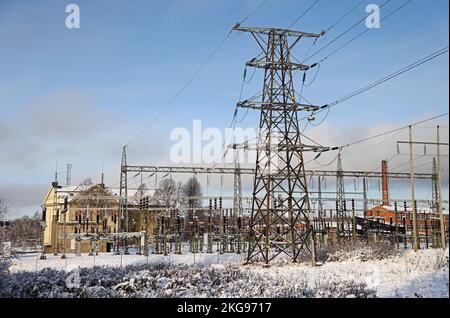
pixel 123 193
pixel 280 206
pixel 340 197
pixel 237 201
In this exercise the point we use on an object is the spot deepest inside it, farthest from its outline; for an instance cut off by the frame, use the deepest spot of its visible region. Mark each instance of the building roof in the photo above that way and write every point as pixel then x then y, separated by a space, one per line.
pixel 391 208
pixel 72 191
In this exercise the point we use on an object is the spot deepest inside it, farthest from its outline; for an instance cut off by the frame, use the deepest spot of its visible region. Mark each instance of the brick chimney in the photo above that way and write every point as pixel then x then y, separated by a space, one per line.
pixel 384 182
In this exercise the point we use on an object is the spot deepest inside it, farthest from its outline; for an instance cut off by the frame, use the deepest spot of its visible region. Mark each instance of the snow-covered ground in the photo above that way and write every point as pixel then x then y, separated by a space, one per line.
pixel 409 274
pixel 31 262
pixel 348 274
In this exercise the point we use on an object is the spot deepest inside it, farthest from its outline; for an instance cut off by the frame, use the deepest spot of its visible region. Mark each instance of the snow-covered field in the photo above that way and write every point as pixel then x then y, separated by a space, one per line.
pixel 31 262
pixel 355 273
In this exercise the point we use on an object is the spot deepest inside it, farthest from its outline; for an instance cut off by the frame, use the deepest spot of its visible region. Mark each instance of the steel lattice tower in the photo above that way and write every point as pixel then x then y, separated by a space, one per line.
pixel 319 199
pixel 123 193
pixel 340 196
pixel 281 207
pixel 237 201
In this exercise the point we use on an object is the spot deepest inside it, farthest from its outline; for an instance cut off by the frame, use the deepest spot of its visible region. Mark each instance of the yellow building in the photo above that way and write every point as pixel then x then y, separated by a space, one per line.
pixel 91 223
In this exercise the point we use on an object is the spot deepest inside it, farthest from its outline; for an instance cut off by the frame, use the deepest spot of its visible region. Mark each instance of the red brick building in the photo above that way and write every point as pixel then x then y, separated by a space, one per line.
pixel 427 219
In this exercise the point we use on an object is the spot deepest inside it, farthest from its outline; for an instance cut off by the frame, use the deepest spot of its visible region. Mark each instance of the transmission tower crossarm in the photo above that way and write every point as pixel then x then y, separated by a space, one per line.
pixel 251 171
pixel 276 65
pixel 193 170
pixel 277 106
pixel 276 31
pixel 304 147
pixel 423 143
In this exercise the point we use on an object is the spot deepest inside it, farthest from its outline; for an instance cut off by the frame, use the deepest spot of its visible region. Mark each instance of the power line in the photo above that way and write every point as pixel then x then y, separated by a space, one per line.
pixel 345 32
pixel 416 157
pixel 234 119
pixel 373 146
pixel 328 29
pixel 363 32
pixel 384 133
pixel 393 130
pixel 391 76
pixel 344 45
pixel 418 166
pixel 180 91
pixel 324 165
pixel 385 79
pixel 253 11
pixel 193 76
pixel 303 14
pixel 344 16
pixel 432 127
pixel 298 19
pixel 322 120
pixel 202 66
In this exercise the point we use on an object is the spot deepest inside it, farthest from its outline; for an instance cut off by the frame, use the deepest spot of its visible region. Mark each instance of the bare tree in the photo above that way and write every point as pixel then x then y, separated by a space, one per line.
pixel 3 211
pixel 4 207
pixel 25 229
pixel 141 190
pixel 168 193
pixel 191 190
pixel 86 184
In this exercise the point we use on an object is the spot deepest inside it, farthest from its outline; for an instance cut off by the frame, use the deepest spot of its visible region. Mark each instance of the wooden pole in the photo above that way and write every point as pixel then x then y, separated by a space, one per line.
pixel 353 221
pixel 441 213
pixel 396 225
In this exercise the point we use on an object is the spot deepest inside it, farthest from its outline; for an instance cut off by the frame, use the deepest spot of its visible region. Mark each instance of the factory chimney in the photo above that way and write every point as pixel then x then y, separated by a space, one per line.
pixel 384 182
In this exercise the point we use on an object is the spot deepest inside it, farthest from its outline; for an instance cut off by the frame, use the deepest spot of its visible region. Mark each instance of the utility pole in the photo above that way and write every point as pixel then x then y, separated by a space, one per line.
pixel 64 211
pixel 415 229
pixel 405 237
pixel 436 175
pixel 439 193
pixel 435 205
pixel 55 218
pixel 396 224
pixel 43 226
pixel 354 234
pixel 210 229
pixel 279 171
pixel 365 207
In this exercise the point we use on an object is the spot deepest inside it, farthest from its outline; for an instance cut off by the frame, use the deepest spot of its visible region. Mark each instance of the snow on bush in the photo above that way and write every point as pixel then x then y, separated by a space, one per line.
pixel 5 263
pixel 164 280
pixel 441 260
pixel 356 250
pixel 358 270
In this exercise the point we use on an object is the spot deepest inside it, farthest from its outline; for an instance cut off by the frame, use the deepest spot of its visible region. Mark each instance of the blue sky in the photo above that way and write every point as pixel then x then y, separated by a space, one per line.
pixel 78 95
